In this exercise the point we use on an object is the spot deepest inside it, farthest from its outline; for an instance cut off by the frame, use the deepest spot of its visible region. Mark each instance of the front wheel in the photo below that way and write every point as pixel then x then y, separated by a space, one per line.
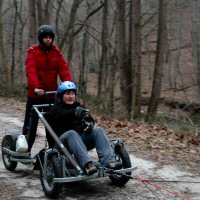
pixel 9 144
pixel 52 171
pixel 122 155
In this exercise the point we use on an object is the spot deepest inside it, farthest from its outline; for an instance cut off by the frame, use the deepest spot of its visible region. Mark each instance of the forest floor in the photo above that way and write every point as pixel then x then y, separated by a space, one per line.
pixel 152 142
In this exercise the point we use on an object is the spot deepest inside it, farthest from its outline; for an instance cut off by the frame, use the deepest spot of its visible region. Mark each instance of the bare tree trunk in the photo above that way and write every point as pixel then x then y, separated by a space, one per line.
pixel 40 15
pixel 71 30
pixel 2 51
pixel 159 62
pixel 111 83
pixel 21 69
pixel 179 39
pixel 47 11
pixel 83 67
pixel 169 60
pixel 32 24
pixel 12 75
pixel 136 57
pixel 60 4
pixel 130 71
pixel 103 60
pixel 120 42
pixel 196 41
pixel 174 66
pixel 69 33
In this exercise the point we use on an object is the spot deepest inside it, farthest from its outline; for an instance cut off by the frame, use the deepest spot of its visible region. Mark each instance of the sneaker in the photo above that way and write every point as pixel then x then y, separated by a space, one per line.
pixel 90 168
pixel 114 165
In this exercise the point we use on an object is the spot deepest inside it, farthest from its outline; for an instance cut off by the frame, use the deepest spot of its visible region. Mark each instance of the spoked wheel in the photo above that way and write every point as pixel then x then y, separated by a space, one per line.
pixel 122 156
pixel 8 143
pixel 53 170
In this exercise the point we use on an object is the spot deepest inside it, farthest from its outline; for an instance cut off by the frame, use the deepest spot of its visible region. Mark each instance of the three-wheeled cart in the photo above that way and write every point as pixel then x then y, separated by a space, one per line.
pixel 57 165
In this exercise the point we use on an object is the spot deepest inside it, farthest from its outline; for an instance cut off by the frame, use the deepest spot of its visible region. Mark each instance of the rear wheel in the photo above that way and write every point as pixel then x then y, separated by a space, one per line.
pixel 53 170
pixel 122 156
pixel 8 143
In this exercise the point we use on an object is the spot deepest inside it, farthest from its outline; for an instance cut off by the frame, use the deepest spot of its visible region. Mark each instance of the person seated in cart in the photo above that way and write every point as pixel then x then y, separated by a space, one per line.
pixel 69 121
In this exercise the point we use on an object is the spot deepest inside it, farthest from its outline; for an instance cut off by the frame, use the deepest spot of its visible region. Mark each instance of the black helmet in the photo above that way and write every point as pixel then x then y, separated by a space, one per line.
pixel 45 30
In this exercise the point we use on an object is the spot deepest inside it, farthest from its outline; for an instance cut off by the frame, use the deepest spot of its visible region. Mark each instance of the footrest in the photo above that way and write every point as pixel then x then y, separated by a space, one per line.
pixel 25 160
pixel 15 154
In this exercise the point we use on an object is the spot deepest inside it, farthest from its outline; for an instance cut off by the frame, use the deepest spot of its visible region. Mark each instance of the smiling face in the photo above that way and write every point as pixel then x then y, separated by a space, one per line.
pixel 69 97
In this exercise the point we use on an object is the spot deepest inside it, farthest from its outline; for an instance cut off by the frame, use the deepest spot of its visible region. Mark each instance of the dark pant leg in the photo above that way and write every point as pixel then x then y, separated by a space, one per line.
pixel 33 123
pixel 31 120
pixel 29 104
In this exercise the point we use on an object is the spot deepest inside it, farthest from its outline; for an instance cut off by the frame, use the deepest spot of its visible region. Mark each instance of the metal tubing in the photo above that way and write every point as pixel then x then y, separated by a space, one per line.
pixel 14 153
pixel 100 174
pixel 57 140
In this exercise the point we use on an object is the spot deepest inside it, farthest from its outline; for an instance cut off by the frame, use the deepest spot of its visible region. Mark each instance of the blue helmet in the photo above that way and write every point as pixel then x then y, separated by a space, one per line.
pixel 66 85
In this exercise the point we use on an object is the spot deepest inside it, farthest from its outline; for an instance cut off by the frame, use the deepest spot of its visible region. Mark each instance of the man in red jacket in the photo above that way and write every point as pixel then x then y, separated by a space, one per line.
pixel 44 63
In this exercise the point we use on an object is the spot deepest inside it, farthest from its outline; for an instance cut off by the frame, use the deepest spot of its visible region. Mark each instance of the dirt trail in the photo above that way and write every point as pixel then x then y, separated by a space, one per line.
pixel 24 184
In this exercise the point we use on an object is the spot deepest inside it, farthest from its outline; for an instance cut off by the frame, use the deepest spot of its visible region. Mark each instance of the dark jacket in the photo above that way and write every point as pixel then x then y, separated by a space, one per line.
pixel 63 118
pixel 42 68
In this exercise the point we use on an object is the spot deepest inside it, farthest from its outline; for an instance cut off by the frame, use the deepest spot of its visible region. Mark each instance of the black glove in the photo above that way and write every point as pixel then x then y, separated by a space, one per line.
pixel 88 126
pixel 81 112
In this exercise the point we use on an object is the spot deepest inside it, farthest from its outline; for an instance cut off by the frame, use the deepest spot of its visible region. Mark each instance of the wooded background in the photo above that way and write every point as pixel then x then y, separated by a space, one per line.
pixel 123 54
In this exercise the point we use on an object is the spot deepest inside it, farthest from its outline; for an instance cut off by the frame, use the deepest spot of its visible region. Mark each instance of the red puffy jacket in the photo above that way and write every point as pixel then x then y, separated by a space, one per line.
pixel 43 67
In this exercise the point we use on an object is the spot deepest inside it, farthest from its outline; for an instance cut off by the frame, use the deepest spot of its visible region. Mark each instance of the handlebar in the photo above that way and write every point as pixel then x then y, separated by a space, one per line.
pixel 46 93
pixel 50 92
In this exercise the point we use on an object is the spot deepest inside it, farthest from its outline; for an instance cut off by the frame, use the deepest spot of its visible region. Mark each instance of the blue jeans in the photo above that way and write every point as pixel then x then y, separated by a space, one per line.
pixel 79 144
